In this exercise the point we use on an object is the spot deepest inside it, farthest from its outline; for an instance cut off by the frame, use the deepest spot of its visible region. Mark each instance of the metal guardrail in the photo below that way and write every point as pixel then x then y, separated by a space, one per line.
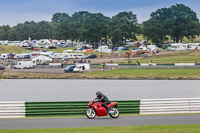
pixel 169 106
pixel 21 109
pixel 12 109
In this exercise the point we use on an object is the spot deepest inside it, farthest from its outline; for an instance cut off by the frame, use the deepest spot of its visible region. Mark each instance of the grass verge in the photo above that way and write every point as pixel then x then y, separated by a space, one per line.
pixel 114 74
pixel 145 74
pixel 171 57
pixel 195 128
pixel 11 49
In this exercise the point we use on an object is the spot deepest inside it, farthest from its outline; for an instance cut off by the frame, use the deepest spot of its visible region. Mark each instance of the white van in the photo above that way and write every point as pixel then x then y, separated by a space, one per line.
pixel 82 68
pixel 4 56
pixel 23 65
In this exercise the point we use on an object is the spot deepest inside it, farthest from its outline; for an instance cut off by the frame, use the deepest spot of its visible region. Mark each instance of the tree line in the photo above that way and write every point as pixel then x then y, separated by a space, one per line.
pixel 176 22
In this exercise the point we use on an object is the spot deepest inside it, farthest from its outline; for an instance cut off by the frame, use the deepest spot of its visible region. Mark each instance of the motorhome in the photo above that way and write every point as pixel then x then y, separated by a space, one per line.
pixel 23 65
pixel 179 46
pixel 194 46
pixel 58 55
pixel 82 68
pixel 130 43
pixel 74 55
pixel 22 56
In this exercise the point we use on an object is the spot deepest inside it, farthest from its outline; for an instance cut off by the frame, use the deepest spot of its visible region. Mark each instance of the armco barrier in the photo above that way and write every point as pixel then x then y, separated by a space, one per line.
pixel 12 109
pixel 38 109
pixel 20 109
pixel 168 106
pixel 55 108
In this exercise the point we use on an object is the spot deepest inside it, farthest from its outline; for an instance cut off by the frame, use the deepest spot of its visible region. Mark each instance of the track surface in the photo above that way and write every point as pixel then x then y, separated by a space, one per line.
pixel 98 122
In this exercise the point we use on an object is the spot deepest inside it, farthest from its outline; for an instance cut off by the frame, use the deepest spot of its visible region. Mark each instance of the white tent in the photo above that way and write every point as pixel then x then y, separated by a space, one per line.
pixel 41 59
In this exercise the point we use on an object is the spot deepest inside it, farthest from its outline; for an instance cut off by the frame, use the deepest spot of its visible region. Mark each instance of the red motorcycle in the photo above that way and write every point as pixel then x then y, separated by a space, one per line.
pixel 96 109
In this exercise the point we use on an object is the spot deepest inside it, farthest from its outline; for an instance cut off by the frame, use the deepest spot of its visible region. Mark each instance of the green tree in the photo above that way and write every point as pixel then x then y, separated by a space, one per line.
pixel 177 21
pixel 59 17
pixel 44 30
pixel 123 26
pixel 11 34
pixel 40 30
pixel 4 30
pixel 184 22
pixel 62 30
pixel 77 25
pixel 95 28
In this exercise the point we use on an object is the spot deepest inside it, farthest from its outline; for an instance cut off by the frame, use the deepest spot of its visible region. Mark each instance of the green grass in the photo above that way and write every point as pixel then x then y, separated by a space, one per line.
pixel 170 58
pixel 145 73
pixel 195 128
pixel 130 73
pixel 11 49
pixel 60 49
pixel 185 40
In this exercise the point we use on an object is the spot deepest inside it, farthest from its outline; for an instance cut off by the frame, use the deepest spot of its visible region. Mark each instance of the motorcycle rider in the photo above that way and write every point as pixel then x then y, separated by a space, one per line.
pixel 102 98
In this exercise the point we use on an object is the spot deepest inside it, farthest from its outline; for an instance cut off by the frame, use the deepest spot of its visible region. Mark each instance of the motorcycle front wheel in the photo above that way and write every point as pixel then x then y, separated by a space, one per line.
pixel 91 114
pixel 114 113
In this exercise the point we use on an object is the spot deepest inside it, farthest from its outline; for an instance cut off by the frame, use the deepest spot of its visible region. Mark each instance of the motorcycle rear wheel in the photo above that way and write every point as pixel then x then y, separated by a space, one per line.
pixel 115 113
pixel 90 113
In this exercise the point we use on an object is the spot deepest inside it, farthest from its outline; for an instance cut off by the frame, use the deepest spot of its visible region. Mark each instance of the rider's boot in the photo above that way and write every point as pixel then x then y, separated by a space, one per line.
pixel 108 110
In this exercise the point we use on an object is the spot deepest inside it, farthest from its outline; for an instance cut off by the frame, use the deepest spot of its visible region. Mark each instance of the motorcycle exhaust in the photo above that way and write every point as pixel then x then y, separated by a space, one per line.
pixel 111 112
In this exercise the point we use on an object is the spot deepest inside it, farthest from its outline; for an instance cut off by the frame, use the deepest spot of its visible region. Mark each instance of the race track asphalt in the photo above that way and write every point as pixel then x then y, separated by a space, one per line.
pixel 43 123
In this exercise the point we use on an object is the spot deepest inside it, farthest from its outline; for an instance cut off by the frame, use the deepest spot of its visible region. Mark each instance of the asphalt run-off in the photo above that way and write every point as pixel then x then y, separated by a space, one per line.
pixel 43 123
pixel 33 90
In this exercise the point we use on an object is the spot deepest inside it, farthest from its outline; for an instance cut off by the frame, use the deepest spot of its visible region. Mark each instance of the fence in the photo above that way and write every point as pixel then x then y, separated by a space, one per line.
pixel 169 106
pixel 35 109
pixel 12 109
pixel 20 109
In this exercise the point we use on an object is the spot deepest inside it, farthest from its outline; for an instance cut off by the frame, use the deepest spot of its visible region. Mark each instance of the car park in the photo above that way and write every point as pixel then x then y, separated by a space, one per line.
pixel 69 68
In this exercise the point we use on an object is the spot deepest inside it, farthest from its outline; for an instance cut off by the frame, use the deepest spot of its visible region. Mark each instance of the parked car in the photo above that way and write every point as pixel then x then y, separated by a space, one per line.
pixel 52 47
pixel 27 56
pixel 82 68
pixel 60 45
pixel 2 67
pixel 115 48
pixel 35 49
pixel 64 59
pixel 69 45
pixel 29 48
pixel 91 56
pixel 69 68
pixel 125 48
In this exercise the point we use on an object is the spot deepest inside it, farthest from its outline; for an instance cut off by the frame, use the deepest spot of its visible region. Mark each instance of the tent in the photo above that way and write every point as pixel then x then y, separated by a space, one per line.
pixel 41 59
